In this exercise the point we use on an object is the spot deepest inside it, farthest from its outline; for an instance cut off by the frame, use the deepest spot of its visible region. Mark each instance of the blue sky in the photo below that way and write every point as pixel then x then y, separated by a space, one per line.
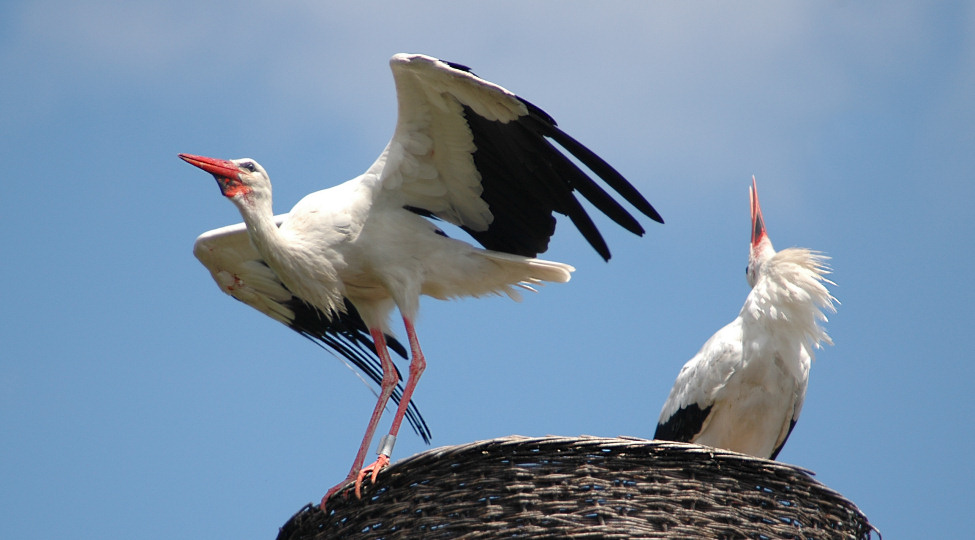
pixel 134 396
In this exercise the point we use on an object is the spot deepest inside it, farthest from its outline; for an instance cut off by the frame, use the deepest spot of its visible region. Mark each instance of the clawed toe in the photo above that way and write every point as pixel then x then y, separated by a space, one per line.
pixel 379 464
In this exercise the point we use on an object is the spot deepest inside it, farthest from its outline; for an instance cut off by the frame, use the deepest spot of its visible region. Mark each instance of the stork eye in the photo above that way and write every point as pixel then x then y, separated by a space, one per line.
pixel 249 165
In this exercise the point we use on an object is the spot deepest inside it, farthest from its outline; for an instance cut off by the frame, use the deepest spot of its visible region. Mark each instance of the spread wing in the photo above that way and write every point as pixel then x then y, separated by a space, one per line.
pixel 240 271
pixel 476 155
pixel 688 408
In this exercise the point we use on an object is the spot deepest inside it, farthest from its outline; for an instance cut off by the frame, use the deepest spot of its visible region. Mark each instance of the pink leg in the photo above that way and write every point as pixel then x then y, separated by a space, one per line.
pixel 390 379
pixel 417 365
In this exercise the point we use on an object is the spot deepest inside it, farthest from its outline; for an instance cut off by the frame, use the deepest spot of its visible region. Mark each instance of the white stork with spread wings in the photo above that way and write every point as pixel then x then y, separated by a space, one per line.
pixel 464 151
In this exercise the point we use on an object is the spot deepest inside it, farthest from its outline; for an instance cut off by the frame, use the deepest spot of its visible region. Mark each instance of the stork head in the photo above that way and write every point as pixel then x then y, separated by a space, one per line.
pixel 761 247
pixel 240 180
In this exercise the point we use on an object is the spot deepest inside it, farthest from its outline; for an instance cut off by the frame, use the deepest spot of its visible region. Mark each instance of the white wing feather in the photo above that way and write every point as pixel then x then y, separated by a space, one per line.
pixel 704 375
pixel 429 160
pixel 239 271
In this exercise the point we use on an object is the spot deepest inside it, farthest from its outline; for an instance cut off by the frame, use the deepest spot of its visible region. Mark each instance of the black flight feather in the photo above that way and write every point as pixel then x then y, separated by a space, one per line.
pixel 684 424
pixel 346 334
pixel 525 178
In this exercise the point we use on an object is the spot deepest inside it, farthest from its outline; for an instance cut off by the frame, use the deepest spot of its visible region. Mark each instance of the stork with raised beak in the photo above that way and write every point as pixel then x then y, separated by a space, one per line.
pixel 744 389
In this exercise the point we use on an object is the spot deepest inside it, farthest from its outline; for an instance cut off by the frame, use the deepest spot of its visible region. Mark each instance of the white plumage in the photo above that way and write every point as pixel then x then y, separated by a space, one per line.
pixel 465 151
pixel 744 389
pixel 240 271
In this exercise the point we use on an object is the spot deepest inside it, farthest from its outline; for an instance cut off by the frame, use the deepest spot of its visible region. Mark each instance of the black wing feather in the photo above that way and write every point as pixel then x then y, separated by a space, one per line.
pixel 683 425
pixel 792 424
pixel 522 188
pixel 525 178
pixel 347 334
pixel 548 127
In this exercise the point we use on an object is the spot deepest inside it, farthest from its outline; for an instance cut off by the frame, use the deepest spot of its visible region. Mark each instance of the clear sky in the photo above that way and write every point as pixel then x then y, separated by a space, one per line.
pixel 137 399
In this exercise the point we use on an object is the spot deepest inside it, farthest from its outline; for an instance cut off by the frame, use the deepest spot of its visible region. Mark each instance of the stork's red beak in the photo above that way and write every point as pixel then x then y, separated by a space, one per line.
pixel 221 168
pixel 758 222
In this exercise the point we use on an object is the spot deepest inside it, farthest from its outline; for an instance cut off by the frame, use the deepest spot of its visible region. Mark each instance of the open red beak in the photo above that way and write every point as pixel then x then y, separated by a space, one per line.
pixel 220 168
pixel 758 222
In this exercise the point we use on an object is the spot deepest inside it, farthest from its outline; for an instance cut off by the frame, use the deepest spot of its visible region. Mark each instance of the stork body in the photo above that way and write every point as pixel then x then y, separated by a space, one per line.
pixel 743 391
pixel 240 271
pixel 464 151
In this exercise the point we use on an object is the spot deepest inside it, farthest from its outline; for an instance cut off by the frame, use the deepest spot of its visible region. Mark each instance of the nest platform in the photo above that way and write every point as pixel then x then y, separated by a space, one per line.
pixel 584 487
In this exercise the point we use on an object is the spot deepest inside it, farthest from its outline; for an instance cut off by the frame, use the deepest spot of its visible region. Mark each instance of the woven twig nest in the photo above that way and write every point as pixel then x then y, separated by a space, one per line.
pixel 584 487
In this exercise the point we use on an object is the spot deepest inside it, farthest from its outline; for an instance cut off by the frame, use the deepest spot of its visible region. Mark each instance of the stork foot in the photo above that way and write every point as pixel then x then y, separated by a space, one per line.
pixel 379 464
pixel 338 487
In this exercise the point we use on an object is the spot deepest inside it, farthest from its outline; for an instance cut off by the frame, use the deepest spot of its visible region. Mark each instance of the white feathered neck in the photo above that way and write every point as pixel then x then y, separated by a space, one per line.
pixel 790 294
